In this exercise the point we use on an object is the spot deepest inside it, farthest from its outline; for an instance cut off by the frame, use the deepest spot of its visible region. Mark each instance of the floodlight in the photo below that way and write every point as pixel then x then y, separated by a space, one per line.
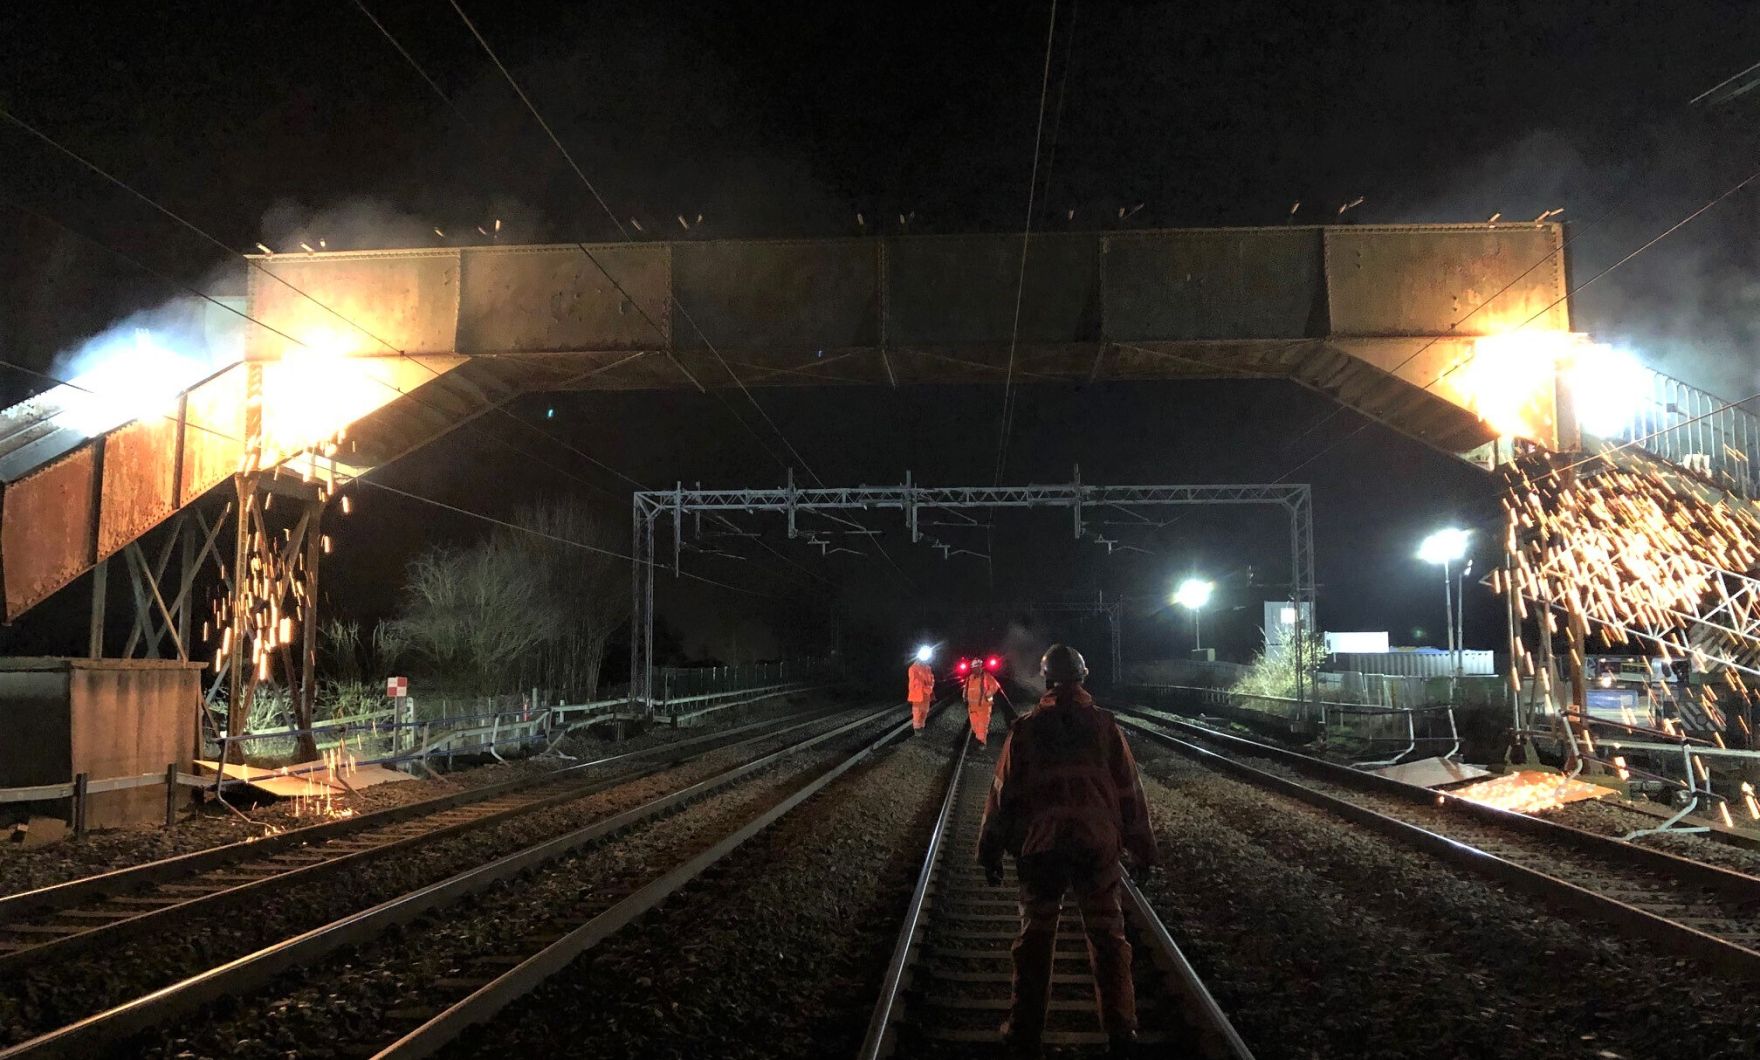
pixel 1447 545
pixel 1193 593
pixel 925 653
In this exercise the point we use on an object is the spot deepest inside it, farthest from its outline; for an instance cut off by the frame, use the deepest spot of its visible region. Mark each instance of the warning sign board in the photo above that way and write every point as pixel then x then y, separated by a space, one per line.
pixel 396 687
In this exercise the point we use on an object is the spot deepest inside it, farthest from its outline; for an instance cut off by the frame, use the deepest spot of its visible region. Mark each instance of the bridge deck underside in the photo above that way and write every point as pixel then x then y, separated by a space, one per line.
pixel 1374 316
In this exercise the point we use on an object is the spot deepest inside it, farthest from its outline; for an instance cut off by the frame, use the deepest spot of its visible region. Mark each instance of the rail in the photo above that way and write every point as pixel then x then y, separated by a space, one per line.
pixel 1680 875
pixel 93 892
pixel 254 970
pixel 951 952
pixel 1216 1035
pixel 1332 717
pixel 880 1038
pixel 489 999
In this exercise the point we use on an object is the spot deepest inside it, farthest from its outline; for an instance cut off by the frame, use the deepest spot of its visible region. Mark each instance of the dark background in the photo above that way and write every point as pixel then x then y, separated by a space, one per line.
pixel 286 121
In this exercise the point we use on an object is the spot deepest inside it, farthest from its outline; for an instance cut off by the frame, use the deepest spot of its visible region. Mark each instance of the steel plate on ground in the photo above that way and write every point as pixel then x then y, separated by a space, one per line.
pixel 1431 772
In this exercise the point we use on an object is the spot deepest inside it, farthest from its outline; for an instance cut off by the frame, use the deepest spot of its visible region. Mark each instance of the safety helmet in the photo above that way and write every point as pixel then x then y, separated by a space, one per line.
pixel 1062 663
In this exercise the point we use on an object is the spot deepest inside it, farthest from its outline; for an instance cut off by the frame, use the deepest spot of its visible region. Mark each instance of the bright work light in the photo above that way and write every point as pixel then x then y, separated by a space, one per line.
pixel 1447 545
pixel 925 653
pixel 1193 593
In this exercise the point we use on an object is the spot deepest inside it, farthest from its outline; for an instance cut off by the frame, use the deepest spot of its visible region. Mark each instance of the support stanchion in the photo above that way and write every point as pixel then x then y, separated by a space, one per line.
pixel 79 804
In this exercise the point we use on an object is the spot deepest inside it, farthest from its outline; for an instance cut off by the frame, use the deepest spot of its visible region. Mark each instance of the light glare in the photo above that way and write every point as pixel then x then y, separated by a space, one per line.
pixel 1193 593
pixel 1447 545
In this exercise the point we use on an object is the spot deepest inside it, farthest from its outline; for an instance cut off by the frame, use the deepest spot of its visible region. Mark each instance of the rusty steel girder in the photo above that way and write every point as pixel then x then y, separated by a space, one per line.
pixel 1373 316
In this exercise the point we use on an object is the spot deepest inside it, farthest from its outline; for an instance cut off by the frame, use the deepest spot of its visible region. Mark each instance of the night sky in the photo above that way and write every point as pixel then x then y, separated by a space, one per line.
pixel 283 121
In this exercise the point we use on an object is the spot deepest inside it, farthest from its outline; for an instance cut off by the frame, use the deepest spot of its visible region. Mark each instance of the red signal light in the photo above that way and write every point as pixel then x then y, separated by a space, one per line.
pixel 993 663
pixel 963 666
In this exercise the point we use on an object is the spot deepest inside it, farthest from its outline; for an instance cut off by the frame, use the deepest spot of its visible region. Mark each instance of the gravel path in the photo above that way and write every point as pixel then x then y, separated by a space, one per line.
pixel 214 825
pixel 345 1004
pixel 1322 940
pixel 48 997
pixel 1610 818
pixel 780 955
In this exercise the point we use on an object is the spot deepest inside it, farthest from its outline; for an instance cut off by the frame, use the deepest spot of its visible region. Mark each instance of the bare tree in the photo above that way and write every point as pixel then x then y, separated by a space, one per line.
pixel 474 614
pixel 531 605
pixel 569 544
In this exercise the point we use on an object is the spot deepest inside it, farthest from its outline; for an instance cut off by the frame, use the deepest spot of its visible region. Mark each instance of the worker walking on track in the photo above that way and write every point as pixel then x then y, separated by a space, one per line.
pixel 920 687
pixel 981 688
pixel 1066 802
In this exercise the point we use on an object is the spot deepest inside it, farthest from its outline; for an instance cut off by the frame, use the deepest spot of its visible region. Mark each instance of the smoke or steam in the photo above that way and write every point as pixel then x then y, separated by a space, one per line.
pixel 136 366
pixel 1688 306
pixel 1023 648
pixel 290 227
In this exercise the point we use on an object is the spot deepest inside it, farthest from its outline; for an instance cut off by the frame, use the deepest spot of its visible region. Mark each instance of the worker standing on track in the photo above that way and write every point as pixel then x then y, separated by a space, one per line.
pixel 981 687
pixel 920 687
pixel 1066 802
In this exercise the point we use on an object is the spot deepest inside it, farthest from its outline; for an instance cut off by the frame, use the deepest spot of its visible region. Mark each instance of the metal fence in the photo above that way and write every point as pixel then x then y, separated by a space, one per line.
pixel 396 736
pixel 1696 430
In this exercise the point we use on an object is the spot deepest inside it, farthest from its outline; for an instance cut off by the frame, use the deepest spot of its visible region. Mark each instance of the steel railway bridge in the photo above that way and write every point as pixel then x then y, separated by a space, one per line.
pixel 388 350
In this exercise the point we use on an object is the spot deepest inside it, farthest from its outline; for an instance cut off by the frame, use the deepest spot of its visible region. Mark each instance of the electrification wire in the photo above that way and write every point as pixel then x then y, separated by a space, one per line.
pixel 118 182
pixel 205 235
pixel 476 133
pixel 363 480
pixel 1561 299
pixel 1617 206
pixel 552 537
pixel 622 231
pixel 1069 48
pixel 683 310
pixel 1026 240
pixel 242 315
pixel 20 123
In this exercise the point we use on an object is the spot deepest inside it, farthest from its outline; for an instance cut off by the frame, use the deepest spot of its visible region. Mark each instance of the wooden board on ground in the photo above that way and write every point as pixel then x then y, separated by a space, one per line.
pixel 1431 772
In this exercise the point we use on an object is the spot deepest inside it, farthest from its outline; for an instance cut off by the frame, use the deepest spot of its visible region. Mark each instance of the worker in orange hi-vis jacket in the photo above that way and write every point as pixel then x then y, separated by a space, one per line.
pixel 920 687
pixel 981 688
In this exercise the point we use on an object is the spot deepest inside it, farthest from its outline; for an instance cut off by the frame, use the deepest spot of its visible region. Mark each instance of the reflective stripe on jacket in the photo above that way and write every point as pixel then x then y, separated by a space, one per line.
pixel 980 687
pixel 1066 782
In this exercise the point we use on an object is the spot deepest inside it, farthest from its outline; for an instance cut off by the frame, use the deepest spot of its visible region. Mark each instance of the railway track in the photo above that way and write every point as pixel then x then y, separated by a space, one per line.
pixel 59 921
pixel 947 986
pixel 1694 910
pixel 481 983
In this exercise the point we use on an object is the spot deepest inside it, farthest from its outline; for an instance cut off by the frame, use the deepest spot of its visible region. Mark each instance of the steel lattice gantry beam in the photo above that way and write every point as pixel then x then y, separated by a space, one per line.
pixel 410 344
pixel 652 507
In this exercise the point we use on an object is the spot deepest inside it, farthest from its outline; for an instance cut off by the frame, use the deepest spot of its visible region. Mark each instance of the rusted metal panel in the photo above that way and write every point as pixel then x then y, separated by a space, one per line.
pixel 373 302
pixel 1445 279
pixel 516 299
pixel 945 291
pixel 213 446
pixel 46 528
pixel 140 480
pixel 781 296
pixel 1252 283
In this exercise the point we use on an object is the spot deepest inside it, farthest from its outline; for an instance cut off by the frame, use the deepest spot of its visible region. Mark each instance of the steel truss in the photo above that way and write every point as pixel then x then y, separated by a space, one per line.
pixel 650 507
